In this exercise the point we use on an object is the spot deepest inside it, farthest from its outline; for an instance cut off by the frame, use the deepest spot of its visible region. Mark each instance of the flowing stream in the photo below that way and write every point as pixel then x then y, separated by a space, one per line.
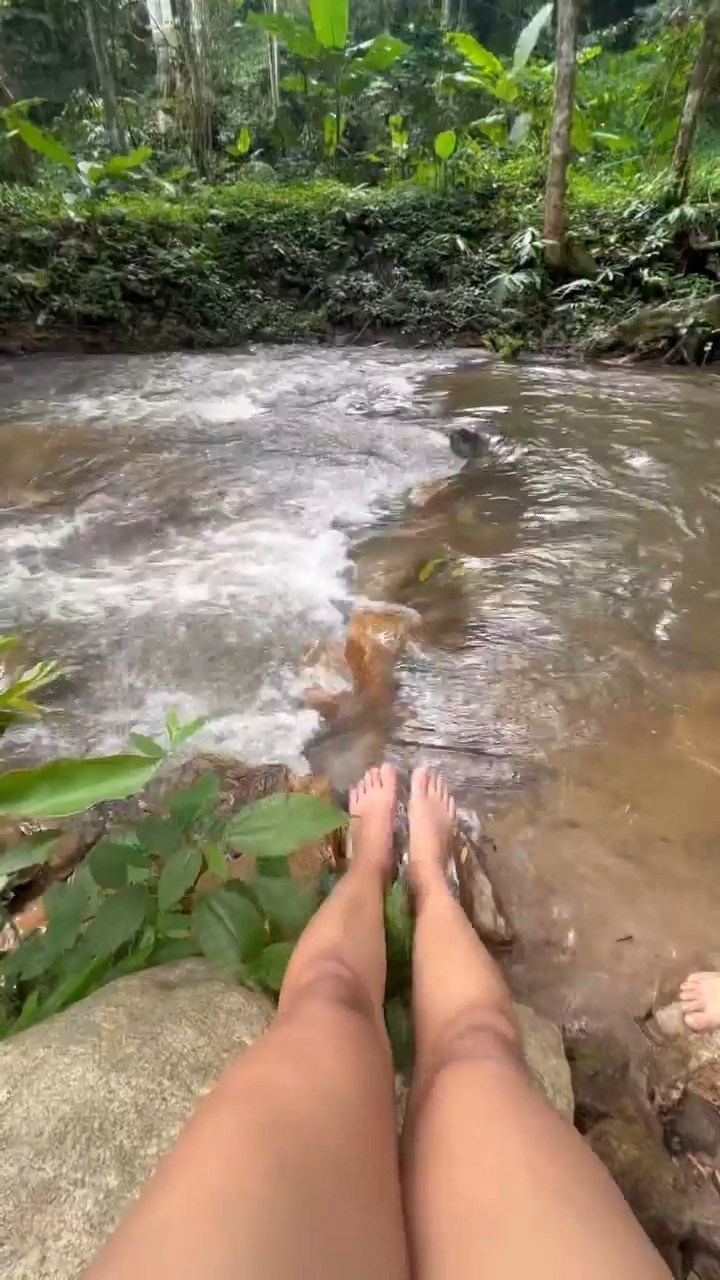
pixel 183 528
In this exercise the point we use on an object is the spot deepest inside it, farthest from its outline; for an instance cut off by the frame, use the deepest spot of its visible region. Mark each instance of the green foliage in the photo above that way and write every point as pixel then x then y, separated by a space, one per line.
pixel 16 687
pixel 135 901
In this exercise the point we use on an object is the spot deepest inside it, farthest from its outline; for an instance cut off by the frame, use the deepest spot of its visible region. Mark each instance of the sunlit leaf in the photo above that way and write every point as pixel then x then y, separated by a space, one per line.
pixel 242 141
pixel 444 143
pixel 276 825
pixel 118 165
pixel 63 787
pixel 475 52
pixel 330 22
pixel 530 35
pixel 580 135
pixel 39 140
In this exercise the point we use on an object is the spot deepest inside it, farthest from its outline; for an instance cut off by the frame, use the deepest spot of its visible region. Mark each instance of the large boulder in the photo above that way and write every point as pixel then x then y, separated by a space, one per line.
pixel 91 1099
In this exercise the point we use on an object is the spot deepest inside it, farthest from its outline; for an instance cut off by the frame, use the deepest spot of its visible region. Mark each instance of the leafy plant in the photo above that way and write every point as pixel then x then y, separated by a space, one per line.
pixel 16 702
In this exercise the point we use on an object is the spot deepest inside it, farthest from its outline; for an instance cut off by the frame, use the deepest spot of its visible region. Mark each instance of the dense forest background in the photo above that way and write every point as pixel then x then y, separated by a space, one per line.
pixel 573 121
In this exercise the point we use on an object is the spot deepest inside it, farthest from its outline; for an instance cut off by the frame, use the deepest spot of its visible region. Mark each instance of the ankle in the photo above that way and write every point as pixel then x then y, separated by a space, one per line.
pixel 427 881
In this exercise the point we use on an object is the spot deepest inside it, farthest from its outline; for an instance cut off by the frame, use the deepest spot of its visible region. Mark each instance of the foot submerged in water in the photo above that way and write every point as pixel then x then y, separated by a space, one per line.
pixel 700 1000
pixel 431 815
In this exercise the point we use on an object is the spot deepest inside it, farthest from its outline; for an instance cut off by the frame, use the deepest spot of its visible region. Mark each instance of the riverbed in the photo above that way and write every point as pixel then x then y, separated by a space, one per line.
pixel 183 528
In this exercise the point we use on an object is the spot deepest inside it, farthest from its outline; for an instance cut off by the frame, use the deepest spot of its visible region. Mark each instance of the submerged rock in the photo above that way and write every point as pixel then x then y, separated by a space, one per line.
pixel 91 1099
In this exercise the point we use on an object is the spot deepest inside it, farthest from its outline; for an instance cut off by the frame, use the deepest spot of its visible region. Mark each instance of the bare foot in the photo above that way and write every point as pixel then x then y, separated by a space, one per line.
pixel 431 814
pixel 372 810
pixel 700 1000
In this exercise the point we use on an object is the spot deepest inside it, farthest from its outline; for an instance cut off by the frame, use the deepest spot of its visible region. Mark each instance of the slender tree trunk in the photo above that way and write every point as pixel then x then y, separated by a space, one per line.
pixel 556 186
pixel 99 41
pixel 274 65
pixel 446 13
pixel 705 64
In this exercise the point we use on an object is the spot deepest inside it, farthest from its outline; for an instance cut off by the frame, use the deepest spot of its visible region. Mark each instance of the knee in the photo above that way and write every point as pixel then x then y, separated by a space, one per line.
pixel 478 1035
pixel 330 982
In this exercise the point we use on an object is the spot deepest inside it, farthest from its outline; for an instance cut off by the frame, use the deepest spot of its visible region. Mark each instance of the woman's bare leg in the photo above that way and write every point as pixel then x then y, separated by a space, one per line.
pixel 496 1184
pixel 288 1170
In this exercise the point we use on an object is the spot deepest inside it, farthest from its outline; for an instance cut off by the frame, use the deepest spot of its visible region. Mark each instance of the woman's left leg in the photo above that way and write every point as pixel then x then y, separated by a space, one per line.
pixel 288 1170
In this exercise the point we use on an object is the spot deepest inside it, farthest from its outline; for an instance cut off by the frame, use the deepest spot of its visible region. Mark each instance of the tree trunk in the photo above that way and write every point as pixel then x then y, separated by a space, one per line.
pixel 194 41
pixel 274 65
pixel 160 17
pixel 556 186
pixel 705 62
pixel 99 42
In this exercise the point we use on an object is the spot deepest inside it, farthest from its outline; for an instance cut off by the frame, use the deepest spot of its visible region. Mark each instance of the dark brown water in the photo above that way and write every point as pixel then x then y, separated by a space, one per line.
pixel 183 527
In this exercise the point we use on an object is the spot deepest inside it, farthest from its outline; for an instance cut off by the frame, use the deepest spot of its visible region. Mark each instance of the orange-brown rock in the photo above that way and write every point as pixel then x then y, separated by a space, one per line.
pixel 376 638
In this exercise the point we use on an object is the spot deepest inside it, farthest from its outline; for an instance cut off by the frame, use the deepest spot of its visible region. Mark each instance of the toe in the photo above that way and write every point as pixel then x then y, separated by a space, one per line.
pixel 698 1021
pixel 387 776
pixel 419 783
pixel 692 1004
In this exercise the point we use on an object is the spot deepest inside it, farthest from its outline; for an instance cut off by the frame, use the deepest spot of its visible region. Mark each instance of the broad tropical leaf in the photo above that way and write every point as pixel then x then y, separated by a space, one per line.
pixel 445 143
pixel 296 36
pixel 475 52
pixel 276 825
pixel 146 746
pixel 530 35
pixel 117 165
pixel 520 129
pixel 38 140
pixel 63 787
pixel 330 22
pixel 381 52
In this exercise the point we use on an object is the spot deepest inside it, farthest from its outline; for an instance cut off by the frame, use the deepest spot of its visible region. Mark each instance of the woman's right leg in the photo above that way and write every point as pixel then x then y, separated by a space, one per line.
pixel 496 1184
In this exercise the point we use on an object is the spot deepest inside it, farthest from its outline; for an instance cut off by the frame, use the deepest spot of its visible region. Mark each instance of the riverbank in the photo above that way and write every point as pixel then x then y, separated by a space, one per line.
pixel 224 265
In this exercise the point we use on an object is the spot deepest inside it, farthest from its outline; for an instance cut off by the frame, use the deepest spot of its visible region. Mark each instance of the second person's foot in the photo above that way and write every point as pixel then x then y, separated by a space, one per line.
pixel 431 816
pixel 700 999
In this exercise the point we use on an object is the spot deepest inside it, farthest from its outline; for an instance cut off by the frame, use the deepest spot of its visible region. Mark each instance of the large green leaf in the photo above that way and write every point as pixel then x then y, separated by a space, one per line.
pixel 119 918
pixel 530 35
pixel 62 787
pixel 196 801
pixel 444 143
pixel 36 849
pixel 65 908
pixel 286 905
pixel 381 52
pixel 276 825
pixel 38 140
pixel 330 22
pixel 296 36
pixel 161 837
pixel 268 969
pixel 177 876
pixel 117 165
pixel 228 928
pixel 475 52
pixel 110 859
